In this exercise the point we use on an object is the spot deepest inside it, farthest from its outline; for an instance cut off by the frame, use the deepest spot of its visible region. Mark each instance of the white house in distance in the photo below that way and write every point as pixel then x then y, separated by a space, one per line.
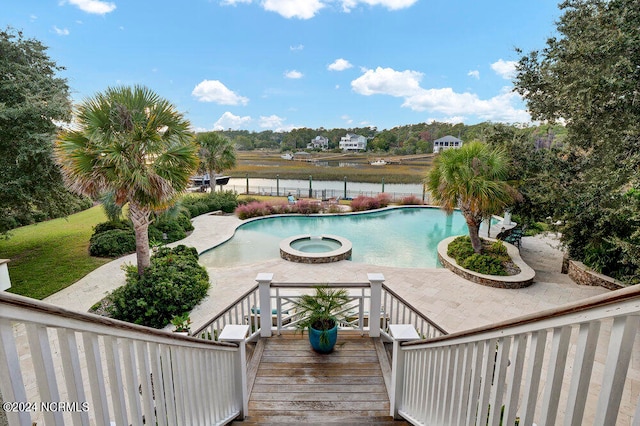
pixel 353 142
pixel 319 142
pixel 446 142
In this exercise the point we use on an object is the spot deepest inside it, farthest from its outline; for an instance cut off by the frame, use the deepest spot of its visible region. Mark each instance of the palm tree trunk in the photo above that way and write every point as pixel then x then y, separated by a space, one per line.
pixel 140 216
pixel 473 223
pixel 474 235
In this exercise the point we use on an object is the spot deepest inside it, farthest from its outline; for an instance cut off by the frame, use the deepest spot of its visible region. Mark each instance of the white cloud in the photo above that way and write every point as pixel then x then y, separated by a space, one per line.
pixel 505 69
pixel 215 91
pixel 475 74
pixel 307 9
pixel 32 18
pixel 451 120
pixel 347 119
pixel 347 5
pixel 61 32
pixel 293 74
pixel 231 121
pixel 94 6
pixel 387 81
pixel 406 85
pixel 339 65
pixel 301 9
pixel 271 121
pixel 296 48
pixel 275 123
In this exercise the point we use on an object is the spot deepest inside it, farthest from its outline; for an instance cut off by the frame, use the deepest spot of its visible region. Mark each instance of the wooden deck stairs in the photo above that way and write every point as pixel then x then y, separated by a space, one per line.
pixel 289 383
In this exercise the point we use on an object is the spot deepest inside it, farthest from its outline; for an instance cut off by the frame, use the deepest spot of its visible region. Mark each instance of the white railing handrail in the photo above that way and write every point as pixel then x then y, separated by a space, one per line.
pixel 536 368
pixel 309 285
pixel 376 296
pixel 558 316
pixel 106 371
pixel 226 313
pixel 24 309
pixel 435 329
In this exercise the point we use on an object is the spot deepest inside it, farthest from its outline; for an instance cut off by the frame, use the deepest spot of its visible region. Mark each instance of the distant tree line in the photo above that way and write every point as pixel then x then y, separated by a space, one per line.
pixel 402 140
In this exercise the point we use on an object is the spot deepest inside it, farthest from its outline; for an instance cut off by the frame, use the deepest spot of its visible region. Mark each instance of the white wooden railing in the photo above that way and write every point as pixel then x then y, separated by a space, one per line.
pixel 60 367
pixel 563 366
pixel 368 300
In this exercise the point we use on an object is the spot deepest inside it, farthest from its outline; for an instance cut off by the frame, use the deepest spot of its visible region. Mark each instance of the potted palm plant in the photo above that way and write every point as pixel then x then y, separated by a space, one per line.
pixel 320 314
pixel 182 324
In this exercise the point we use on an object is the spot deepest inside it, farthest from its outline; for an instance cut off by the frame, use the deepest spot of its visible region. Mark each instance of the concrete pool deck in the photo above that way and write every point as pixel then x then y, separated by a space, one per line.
pixel 451 301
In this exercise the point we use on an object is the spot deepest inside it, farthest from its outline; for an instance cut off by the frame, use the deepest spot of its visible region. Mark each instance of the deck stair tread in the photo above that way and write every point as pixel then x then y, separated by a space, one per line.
pixel 294 385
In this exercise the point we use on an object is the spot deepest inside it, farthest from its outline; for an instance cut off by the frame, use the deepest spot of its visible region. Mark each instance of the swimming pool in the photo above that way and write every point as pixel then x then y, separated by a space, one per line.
pixel 403 237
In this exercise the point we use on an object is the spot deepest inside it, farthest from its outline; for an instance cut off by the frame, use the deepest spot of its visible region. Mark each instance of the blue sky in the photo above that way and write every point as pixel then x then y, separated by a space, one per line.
pixel 281 64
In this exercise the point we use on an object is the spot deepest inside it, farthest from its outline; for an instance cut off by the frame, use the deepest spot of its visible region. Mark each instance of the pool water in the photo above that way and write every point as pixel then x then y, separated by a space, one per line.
pixel 313 245
pixel 400 237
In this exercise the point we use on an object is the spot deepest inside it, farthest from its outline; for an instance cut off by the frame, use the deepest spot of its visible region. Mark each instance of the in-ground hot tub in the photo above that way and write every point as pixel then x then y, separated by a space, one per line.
pixel 308 248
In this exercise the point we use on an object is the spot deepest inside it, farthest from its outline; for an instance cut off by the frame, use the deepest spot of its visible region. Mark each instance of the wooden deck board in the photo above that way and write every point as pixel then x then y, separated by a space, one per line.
pixel 293 382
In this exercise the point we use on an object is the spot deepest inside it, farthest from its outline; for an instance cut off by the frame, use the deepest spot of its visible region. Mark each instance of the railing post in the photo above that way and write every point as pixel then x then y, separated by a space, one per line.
pixel 237 334
pixel 400 333
pixel 375 313
pixel 264 292
pixel 5 281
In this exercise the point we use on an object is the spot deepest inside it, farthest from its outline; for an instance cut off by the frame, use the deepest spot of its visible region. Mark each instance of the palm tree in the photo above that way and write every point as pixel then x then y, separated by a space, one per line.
pixel 134 143
pixel 216 154
pixel 473 179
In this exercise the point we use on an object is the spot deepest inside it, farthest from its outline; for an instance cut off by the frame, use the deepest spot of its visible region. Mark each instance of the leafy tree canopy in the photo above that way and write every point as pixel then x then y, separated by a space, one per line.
pixel 589 77
pixel 32 99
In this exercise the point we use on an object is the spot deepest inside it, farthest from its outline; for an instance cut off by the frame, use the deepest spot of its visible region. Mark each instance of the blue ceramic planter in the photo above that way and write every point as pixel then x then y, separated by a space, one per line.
pixel 314 339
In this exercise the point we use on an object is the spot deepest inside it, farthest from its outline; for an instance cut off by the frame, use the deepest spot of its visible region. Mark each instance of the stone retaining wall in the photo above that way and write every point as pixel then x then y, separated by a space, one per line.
pixel 521 280
pixel 581 274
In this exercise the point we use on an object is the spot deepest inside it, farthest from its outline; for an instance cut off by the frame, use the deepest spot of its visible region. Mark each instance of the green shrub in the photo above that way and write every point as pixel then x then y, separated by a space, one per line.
pixel 112 243
pixel 227 201
pixel 498 250
pixel 116 244
pixel 460 248
pixel 173 284
pixel 110 225
pixel 484 264
pixel 185 221
pixel 535 228
pixel 490 262
pixel 170 227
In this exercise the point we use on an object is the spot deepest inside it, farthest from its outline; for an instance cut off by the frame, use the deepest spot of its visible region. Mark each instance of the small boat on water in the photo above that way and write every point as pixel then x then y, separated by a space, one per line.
pixel 379 162
pixel 204 181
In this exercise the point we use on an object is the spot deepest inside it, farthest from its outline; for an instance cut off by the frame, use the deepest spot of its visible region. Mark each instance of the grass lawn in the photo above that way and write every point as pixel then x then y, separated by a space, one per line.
pixel 49 256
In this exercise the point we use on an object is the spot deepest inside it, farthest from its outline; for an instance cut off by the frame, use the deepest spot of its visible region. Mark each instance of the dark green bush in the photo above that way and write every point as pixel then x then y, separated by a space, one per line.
pixel 173 284
pixel 498 250
pixel 227 201
pixel 484 264
pixel 170 227
pixel 490 262
pixel 112 243
pixel 118 243
pixel 460 248
pixel 110 225
pixel 185 221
